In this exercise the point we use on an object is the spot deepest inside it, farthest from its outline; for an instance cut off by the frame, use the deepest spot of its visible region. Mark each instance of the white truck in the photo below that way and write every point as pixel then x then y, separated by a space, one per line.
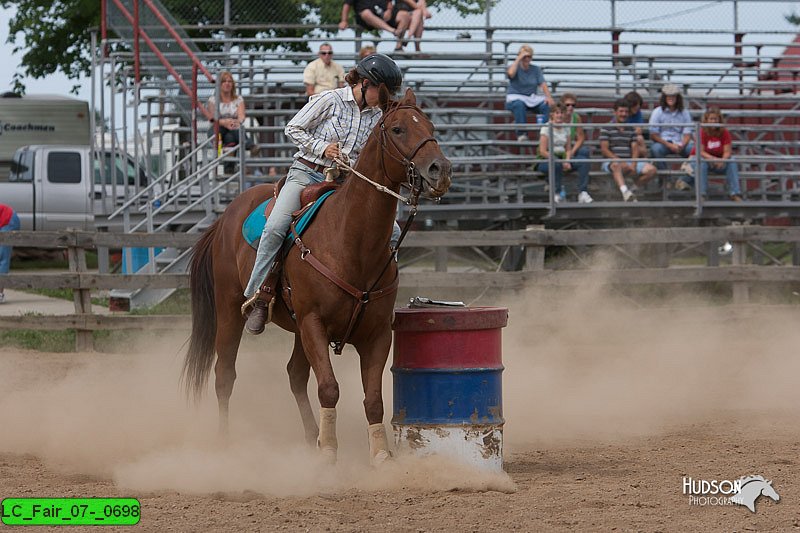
pixel 53 187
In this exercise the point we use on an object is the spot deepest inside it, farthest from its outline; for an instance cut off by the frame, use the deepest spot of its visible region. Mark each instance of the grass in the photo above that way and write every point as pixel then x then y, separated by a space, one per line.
pixel 104 341
pixel 65 294
pixel 42 341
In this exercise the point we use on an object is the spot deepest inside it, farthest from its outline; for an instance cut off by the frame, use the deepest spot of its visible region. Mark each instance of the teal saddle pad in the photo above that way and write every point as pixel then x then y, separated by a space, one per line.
pixel 255 221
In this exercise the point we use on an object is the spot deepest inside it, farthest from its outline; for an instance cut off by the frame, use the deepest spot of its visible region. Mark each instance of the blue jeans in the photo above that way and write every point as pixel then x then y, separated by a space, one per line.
pixel 520 112
pixel 658 151
pixel 582 169
pixel 558 173
pixel 730 169
pixel 277 227
pixel 5 251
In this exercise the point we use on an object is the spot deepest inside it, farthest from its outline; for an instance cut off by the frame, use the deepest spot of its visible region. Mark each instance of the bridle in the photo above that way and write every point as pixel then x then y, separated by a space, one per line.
pixel 414 179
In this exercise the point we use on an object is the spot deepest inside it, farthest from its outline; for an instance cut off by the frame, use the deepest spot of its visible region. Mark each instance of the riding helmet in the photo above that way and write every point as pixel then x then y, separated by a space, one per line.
pixel 378 69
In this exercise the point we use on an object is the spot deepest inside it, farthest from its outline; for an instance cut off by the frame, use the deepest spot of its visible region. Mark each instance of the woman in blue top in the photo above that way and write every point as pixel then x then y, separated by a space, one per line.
pixel 670 126
pixel 525 79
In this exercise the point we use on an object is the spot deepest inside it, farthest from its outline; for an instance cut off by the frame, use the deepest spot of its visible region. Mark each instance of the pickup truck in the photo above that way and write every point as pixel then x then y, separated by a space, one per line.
pixel 54 187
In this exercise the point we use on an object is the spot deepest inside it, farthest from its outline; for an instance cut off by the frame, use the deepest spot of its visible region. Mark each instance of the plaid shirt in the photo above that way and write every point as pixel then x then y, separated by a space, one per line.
pixel 328 117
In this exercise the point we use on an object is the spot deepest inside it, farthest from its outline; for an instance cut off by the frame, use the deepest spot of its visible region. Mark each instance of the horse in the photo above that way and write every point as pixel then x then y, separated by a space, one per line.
pixel 350 236
pixel 751 488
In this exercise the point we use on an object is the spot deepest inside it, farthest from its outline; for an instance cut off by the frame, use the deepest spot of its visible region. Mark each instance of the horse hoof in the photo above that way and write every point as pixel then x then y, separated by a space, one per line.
pixel 380 458
pixel 328 455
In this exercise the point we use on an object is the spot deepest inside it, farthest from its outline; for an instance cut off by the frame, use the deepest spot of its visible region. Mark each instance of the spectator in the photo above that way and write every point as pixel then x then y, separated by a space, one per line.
pixel 416 13
pixel 577 150
pixel 669 138
pixel 374 14
pixel 559 145
pixel 525 79
pixel 323 73
pixel 9 221
pixel 715 148
pixel 231 113
pixel 618 143
pixel 635 116
pixel 365 51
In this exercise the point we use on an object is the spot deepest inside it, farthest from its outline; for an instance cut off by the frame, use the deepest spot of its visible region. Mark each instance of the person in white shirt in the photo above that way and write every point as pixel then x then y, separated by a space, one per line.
pixel 559 145
pixel 323 74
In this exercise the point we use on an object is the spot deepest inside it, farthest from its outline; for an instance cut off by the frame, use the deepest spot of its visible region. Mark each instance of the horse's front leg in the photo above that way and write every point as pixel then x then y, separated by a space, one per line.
pixel 373 354
pixel 298 369
pixel 315 344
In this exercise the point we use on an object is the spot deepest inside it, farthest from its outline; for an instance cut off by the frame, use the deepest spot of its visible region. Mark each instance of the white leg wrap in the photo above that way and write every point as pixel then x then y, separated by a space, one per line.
pixel 327 433
pixel 378 444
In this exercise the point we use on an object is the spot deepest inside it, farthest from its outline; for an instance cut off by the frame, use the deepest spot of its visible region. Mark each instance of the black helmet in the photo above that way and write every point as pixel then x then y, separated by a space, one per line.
pixel 378 69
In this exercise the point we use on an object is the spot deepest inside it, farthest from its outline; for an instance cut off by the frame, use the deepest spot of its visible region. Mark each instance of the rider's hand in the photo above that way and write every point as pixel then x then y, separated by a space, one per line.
pixel 332 151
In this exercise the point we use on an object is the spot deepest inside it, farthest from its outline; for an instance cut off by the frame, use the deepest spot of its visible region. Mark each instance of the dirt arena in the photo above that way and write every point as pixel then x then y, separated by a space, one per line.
pixel 608 406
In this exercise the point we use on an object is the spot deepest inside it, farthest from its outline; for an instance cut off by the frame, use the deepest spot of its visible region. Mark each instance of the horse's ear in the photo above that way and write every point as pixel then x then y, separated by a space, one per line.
pixel 384 98
pixel 410 98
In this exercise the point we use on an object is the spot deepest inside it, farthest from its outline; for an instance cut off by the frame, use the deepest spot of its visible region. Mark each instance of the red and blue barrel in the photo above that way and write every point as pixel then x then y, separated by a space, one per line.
pixel 448 393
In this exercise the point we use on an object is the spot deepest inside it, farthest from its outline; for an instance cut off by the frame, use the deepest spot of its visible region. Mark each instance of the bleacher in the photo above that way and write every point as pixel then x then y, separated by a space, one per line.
pixel 494 182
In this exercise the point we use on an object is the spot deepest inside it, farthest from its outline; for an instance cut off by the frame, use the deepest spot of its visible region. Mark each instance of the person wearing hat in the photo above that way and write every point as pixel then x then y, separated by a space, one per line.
pixel 524 82
pixel 670 126
pixel 333 123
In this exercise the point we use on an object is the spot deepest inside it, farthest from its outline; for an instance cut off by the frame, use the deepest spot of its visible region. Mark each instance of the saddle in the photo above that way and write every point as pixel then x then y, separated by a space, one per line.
pixel 310 194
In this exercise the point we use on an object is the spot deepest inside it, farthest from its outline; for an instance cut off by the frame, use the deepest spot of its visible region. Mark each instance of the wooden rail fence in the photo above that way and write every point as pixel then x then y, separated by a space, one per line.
pixel 534 241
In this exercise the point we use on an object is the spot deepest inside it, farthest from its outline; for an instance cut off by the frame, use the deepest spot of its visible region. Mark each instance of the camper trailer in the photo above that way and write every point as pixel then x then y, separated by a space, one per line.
pixel 40 120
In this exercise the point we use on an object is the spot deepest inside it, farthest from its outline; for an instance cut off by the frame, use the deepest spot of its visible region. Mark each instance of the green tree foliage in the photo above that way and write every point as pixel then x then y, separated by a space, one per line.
pixel 55 35
pixel 52 36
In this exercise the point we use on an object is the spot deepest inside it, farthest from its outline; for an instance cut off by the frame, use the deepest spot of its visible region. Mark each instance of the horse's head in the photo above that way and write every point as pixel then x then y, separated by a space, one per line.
pixel 410 155
pixel 769 492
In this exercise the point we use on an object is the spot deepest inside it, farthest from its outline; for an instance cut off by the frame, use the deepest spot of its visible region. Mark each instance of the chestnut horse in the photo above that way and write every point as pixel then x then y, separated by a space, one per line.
pixel 350 236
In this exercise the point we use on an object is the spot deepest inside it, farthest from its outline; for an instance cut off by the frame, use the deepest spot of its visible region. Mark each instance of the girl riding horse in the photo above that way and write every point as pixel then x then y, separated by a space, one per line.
pixel 331 124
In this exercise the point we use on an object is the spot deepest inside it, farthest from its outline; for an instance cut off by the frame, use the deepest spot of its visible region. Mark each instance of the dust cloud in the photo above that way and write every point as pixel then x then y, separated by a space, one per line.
pixel 124 417
pixel 582 364
pixel 588 364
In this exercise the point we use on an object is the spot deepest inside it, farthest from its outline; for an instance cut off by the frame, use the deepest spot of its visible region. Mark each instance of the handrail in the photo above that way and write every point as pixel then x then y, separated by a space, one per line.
pixel 184 186
pixel 195 60
pixel 158 180
pixel 202 198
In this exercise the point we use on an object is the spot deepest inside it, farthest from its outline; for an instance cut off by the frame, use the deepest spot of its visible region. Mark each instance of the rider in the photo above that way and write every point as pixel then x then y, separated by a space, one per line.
pixel 333 123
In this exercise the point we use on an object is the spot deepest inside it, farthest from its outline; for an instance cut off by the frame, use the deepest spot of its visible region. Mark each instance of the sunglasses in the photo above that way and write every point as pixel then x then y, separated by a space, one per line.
pixel 326 53
pixel 569 105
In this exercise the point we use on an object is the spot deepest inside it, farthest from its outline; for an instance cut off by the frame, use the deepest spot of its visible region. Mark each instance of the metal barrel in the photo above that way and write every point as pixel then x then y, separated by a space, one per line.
pixel 448 395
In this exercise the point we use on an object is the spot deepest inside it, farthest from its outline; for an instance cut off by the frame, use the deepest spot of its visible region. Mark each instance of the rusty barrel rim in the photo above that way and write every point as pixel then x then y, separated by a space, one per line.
pixel 449 318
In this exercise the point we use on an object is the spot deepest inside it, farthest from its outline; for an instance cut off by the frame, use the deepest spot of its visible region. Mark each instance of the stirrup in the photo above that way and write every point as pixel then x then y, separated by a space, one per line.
pixel 250 302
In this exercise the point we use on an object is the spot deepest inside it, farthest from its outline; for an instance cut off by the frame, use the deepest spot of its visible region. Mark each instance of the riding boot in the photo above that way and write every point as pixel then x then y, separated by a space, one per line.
pixel 257 319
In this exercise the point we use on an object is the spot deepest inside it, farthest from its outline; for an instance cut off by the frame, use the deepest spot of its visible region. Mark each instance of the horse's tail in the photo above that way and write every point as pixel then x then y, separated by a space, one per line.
pixel 200 355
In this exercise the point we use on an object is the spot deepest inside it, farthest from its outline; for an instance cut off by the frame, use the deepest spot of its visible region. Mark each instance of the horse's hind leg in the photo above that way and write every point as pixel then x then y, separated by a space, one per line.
pixel 229 333
pixel 373 357
pixel 298 369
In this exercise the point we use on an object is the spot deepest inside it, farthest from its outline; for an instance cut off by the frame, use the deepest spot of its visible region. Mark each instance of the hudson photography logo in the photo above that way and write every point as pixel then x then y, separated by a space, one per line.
pixel 743 491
